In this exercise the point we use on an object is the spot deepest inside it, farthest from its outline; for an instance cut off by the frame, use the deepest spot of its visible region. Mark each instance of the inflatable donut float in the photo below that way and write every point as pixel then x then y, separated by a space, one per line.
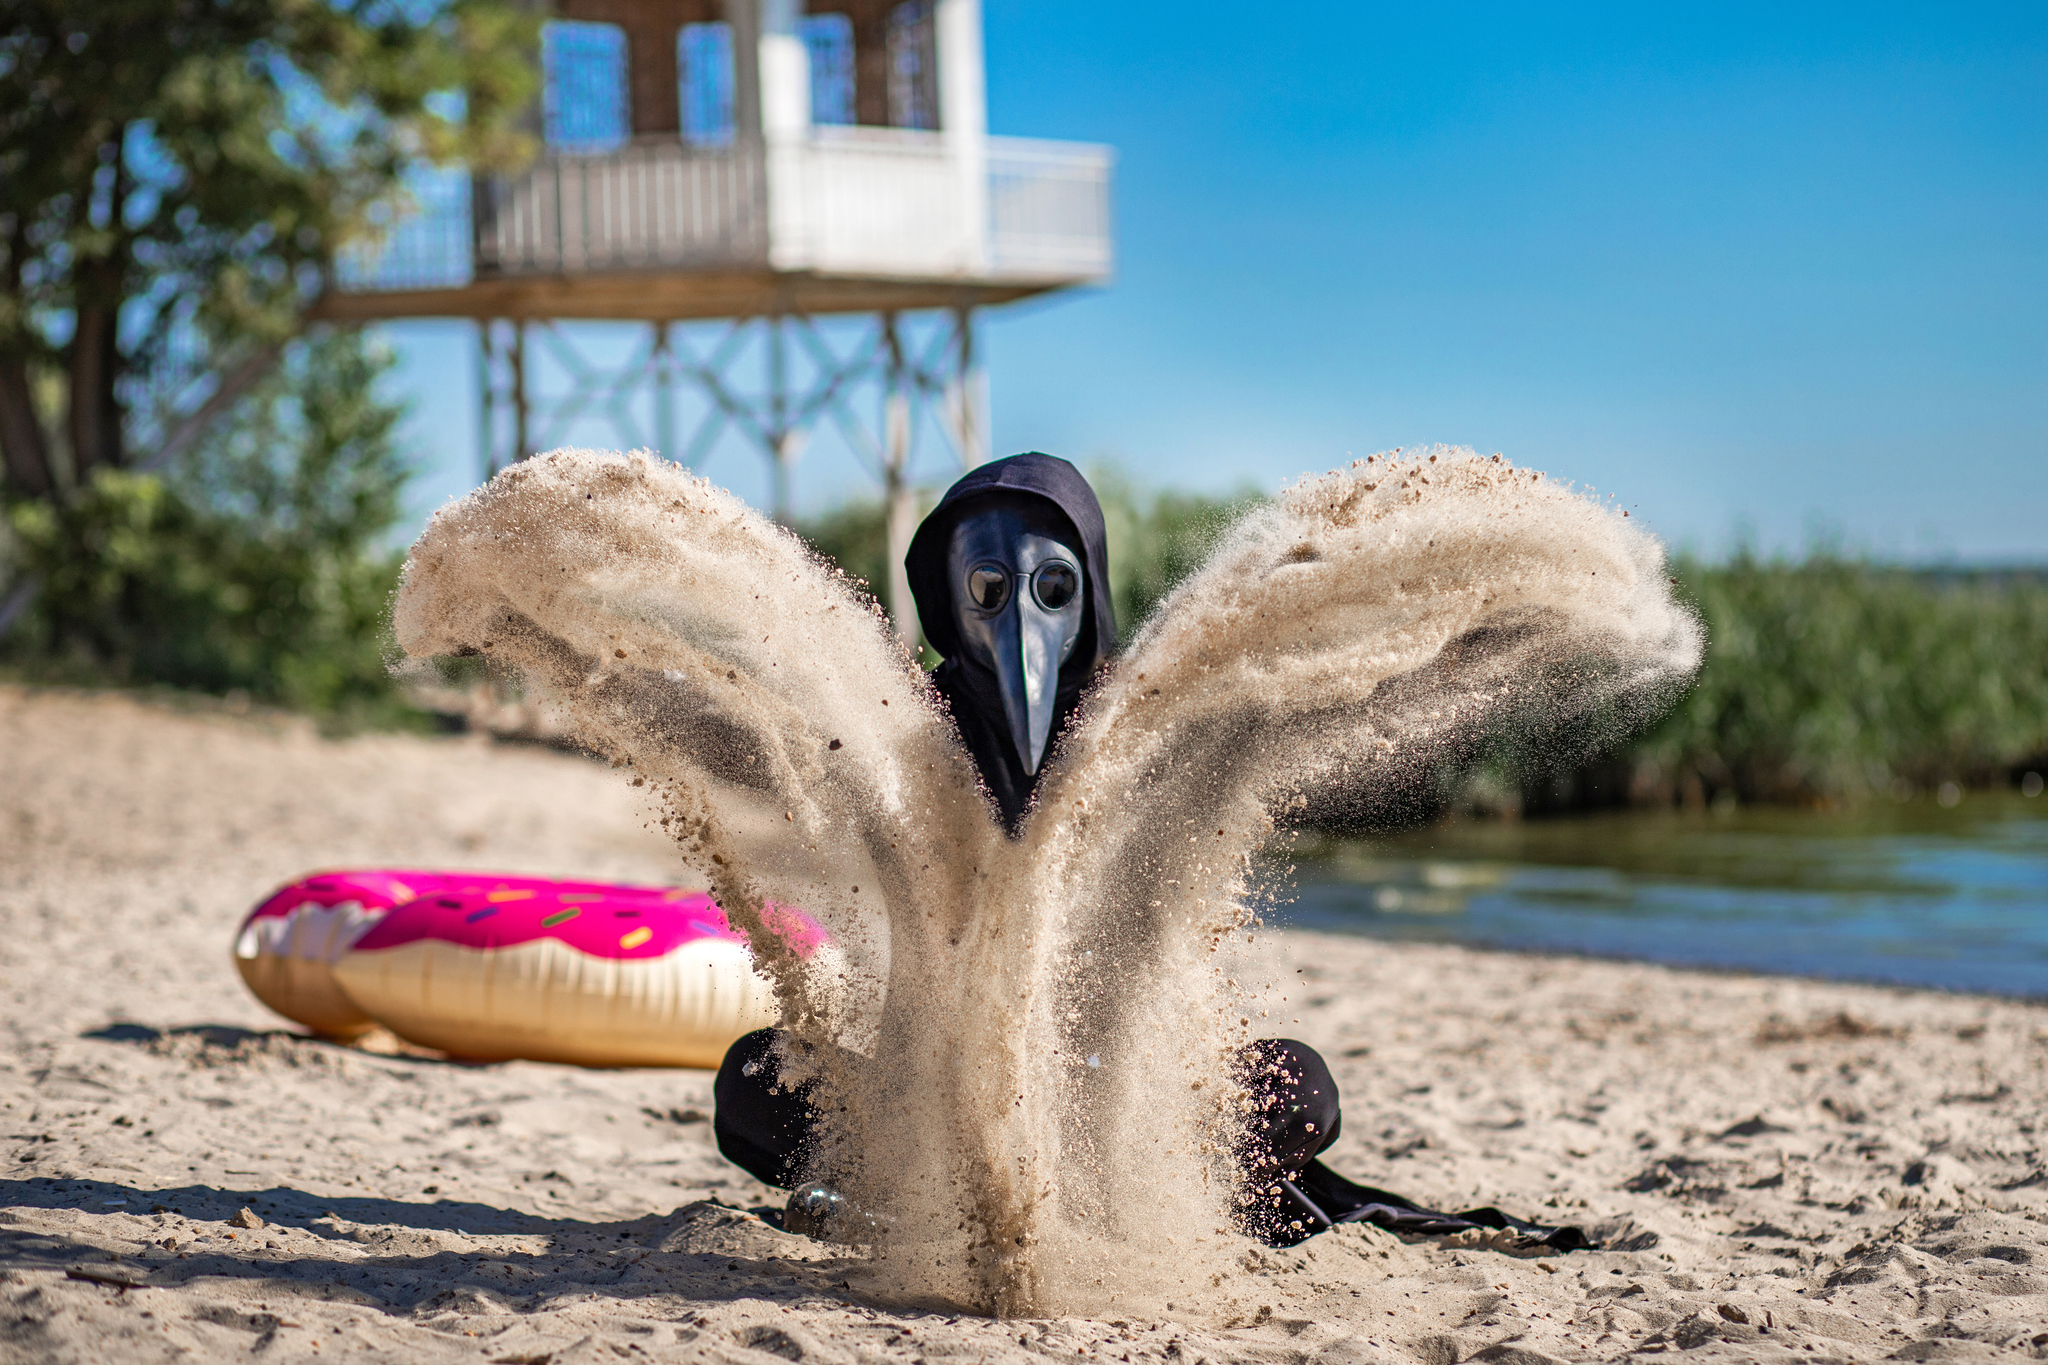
pixel 287 947
pixel 494 968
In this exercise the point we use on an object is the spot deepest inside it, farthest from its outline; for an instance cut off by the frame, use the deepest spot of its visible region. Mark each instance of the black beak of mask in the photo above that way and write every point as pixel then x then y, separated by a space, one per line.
pixel 1019 602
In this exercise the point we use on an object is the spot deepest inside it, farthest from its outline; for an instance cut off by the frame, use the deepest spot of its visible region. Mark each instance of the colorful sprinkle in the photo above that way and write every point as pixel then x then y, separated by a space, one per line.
pixel 500 897
pixel 637 937
pixel 481 914
pixel 560 917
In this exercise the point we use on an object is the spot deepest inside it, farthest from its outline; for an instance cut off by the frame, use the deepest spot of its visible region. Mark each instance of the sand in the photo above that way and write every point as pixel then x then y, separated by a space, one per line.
pixel 1043 992
pixel 1782 1169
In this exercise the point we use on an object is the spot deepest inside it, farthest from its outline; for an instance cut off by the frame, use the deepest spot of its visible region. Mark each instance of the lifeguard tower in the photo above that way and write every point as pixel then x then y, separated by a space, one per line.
pixel 800 203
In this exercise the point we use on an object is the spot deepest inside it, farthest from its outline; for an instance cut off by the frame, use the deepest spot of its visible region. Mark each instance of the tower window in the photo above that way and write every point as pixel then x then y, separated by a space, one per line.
pixel 704 69
pixel 583 97
pixel 828 38
pixel 913 66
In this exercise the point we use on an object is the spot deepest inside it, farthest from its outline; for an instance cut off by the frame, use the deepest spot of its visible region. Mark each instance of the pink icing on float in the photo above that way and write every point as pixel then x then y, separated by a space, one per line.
pixel 641 923
pixel 376 890
pixel 379 887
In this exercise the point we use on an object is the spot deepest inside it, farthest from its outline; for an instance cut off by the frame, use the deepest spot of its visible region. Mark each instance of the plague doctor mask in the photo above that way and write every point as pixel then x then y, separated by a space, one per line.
pixel 1019 602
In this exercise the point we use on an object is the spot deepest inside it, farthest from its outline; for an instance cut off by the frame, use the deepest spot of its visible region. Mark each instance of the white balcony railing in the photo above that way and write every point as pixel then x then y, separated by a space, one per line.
pixel 861 202
pixel 646 206
pixel 1048 209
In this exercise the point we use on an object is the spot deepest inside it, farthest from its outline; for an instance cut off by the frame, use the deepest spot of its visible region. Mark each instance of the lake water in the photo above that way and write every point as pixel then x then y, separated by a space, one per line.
pixel 1911 893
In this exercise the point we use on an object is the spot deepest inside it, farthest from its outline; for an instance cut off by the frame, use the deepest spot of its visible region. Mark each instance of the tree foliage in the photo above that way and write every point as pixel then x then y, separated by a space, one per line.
pixel 176 177
pixel 255 564
pixel 1833 677
pixel 1827 680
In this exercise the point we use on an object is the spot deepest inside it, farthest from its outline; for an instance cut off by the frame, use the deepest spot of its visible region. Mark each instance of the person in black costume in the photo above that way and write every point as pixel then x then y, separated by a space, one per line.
pixel 1011 577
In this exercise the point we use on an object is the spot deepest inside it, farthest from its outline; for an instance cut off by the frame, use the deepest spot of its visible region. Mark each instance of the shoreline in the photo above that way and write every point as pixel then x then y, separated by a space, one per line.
pixel 1785 1168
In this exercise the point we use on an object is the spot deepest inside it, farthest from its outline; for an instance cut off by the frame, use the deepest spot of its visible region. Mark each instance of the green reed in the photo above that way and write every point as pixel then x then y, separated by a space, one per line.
pixel 1833 677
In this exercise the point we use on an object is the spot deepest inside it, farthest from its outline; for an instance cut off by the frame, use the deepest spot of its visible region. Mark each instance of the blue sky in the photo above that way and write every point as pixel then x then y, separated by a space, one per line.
pixel 1763 270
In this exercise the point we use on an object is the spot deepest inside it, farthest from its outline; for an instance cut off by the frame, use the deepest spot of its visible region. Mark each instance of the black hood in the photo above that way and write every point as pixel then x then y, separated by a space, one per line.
pixel 971 690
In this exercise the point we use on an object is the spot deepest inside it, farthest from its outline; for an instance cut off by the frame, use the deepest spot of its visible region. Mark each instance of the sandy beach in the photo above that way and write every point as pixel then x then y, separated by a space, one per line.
pixel 1778 1169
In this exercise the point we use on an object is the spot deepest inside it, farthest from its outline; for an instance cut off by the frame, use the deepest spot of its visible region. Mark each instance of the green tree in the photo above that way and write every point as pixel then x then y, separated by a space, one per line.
pixel 176 177
pixel 256 562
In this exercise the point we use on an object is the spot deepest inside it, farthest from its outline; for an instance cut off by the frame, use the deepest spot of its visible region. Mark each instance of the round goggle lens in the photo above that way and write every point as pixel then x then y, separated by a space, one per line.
pixel 988 587
pixel 1055 584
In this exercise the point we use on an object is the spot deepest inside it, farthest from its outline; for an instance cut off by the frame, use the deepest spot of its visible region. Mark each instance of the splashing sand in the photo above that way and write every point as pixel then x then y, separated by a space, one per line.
pixel 1044 1113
